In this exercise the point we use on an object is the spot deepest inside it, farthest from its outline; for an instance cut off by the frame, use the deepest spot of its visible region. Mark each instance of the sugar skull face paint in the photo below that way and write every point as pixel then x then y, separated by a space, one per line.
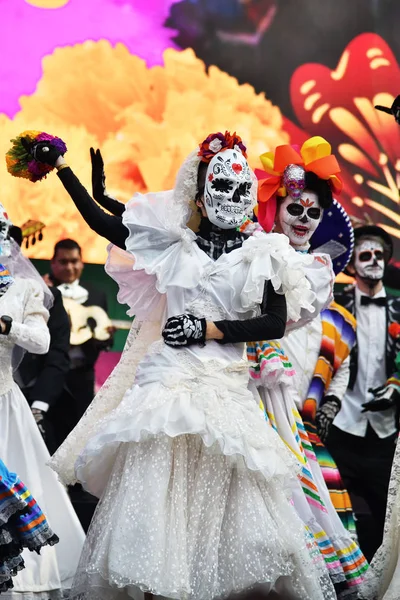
pixel 299 218
pixel 227 189
pixel 5 224
pixel 369 260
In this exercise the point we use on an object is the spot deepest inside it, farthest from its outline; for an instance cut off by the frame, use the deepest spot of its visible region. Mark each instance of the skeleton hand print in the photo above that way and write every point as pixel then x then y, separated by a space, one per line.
pixel 184 330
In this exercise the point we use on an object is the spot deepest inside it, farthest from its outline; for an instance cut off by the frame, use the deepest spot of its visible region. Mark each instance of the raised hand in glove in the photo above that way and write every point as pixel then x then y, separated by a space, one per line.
pixel 100 193
pixel 44 152
pixel 326 414
pixel 385 397
pixel 98 174
pixel 184 330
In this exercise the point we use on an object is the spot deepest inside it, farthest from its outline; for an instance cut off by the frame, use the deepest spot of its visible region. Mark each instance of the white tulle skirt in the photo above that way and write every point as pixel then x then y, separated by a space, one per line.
pixel 194 493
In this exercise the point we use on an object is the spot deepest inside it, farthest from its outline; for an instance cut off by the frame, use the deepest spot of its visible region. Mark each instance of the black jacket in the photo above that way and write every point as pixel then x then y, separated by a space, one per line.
pixel 92 348
pixel 347 300
pixel 49 370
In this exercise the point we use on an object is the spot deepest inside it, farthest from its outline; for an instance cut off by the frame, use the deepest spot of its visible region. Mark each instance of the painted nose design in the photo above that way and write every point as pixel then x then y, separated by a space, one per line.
pixel 236 196
pixel 304 219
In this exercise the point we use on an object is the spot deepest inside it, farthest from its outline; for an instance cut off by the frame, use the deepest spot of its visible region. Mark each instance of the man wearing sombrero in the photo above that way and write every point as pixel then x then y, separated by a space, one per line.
pixel 362 438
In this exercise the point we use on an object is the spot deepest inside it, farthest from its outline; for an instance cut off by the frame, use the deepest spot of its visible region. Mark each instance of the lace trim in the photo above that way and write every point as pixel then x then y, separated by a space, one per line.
pixel 140 338
pixel 382 581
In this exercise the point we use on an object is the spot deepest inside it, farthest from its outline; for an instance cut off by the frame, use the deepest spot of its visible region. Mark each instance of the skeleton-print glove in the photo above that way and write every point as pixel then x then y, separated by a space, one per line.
pixel 385 397
pixel 325 415
pixel 184 330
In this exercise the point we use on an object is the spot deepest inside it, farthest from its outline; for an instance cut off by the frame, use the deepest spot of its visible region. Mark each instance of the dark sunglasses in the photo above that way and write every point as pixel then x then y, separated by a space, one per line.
pixel 368 254
pixel 297 210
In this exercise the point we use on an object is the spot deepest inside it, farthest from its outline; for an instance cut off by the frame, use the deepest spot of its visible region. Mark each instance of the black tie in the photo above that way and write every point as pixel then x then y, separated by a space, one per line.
pixel 366 300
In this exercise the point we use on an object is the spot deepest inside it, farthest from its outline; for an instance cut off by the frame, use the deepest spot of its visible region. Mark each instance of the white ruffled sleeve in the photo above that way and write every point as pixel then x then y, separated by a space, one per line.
pixel 153 253
pixel 32 333
pixel 306 280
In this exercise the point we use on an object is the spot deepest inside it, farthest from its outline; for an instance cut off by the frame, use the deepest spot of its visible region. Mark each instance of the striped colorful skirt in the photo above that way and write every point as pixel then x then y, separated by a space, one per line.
pixel 22 525
pixel 312 498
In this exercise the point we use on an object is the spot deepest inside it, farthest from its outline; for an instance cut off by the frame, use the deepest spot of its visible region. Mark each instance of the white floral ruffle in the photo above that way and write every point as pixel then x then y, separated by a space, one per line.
pixel 306 280
pixel 182 398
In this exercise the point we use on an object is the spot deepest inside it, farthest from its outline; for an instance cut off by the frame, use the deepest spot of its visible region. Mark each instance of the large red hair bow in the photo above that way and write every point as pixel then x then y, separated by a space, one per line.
pixel 314 156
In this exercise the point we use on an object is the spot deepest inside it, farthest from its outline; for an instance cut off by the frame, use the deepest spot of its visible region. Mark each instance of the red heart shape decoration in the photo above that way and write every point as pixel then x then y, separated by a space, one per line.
pixel 237 168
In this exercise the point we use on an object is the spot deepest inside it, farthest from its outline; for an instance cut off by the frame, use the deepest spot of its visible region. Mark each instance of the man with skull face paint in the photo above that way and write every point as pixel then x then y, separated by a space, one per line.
pixel 362 439
pixel 188 395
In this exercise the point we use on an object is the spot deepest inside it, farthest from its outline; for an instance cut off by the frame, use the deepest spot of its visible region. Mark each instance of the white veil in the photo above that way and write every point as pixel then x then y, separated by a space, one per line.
pixel 21 267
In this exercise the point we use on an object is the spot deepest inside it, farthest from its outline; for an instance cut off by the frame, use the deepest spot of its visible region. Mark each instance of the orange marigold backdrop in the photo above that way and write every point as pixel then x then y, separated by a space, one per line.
pixel 144 120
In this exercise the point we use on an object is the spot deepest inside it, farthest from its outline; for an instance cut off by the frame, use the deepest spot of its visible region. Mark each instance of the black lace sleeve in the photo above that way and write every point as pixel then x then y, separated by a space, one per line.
pixel 108 226
pixel 270 325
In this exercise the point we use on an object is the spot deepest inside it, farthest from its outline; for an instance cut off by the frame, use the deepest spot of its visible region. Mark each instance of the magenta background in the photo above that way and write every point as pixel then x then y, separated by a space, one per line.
pixel 28 33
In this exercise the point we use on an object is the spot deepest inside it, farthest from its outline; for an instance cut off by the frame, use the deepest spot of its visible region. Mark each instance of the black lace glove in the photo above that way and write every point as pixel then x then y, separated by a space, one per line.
pixel 326 414
pixel 43 152
pixel 385 397
pixel 184 330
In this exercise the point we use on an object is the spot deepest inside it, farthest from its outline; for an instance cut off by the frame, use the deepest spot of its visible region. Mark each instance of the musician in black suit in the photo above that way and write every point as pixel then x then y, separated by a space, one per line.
pixel 42 377
pixel 66 271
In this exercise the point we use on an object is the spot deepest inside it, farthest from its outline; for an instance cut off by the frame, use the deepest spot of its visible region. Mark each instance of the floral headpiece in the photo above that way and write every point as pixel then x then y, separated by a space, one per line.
pixel 281 177
pixel 20 161
pixel 216 142
pixel 284 173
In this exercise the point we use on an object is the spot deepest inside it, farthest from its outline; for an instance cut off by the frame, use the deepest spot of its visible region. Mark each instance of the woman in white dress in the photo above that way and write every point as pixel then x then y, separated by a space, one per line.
pixel 303 204
pixel 23 318
pixel 194 489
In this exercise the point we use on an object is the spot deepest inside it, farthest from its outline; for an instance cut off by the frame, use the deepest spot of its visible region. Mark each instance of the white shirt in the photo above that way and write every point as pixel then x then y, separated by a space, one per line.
pixel 74 291
pixel 371 373
pixel 303 348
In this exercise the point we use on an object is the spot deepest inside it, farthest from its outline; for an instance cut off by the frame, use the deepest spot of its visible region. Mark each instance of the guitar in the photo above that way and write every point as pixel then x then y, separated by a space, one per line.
pixel 87 322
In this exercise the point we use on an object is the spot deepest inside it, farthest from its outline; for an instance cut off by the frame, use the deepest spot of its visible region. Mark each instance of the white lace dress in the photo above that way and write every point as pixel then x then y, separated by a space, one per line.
pixel 383 578
pixel 23 449
pixel 194 486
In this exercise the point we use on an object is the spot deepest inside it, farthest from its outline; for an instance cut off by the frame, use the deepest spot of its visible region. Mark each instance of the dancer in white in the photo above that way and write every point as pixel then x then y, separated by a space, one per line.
pixel 23 318
pixel 194 488
pixel 304 209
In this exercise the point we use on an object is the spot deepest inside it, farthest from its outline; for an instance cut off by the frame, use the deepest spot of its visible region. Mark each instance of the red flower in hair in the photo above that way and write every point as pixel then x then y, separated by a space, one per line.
pixel 216 142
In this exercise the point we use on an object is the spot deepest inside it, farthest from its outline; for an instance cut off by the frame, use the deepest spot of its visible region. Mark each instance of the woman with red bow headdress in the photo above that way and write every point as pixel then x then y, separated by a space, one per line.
pixel 296 198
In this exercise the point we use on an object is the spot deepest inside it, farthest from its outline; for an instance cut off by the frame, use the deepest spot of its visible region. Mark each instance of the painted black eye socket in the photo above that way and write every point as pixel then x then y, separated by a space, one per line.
pixel 244 189
pixel 314 213
pixel 222 185
pixel 295 210
pixel 367 255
